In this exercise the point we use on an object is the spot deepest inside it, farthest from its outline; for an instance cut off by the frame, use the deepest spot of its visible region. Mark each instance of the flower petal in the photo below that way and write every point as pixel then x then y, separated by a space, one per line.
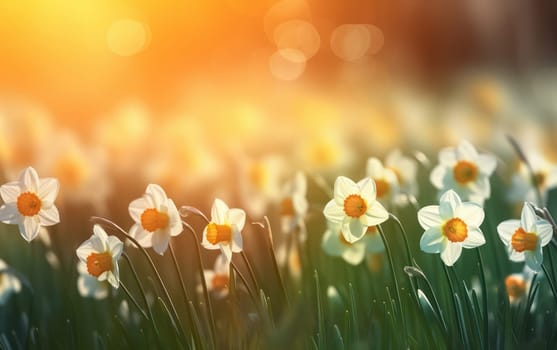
pixel 354 254
pixel 236 245
pixel 137 207
pixel 10 192
pixel 49 216
pixel 143 237
pixel 158 194
pixel 331 244
pixel 333 212
pixel 437 176
pixel 48 189
pixel 218 211
pixel 374 168
pixel 474 239
pixel 506 229
pixel 432 240
pixel 534 259
pixel 448 203
pixel 115 247
pixel 343 188
pixel 368 189
pixel 528 218
pixel 30 179
pixel 237 217
pixel 375 214
pixel 9 214
pixel 486 163
pixel 160 241
pixel 352 229
pixel 465 150
pixel 447 157
pixel 429 216
pixel 30 227
pixel 451 253
pixel 545 232
pixel 471 213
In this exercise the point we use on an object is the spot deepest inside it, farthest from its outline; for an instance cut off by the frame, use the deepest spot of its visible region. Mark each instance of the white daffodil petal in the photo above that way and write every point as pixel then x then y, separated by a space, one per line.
pixel 506 229
pixel 48 189
pixel 374 168
pixel 486 163
pixel 367 190
pixel 545 232
pixel 237 217
pixel 437 176
pixel 376 214
pixel 218 211
pixel 160 241
pixel 355 254
pixel 49 217
pixel 471 213
pixel 236 244
pixel 429 216
pixel 534 259
pixel 157 193
pixel 143 237
pixel 30 179
pixel 447 157
pixel 331 244
pixel 357 229
pixel 227 252
pixel 137 207
pixel 30 227
pixel 516 256
pixel 333 212
pixel 451 253
pixel 343 188
pixel 115 246
pixel 474 239
pixel 465 150
pixel 528 218
pixel 432 240
pixel 448 203
pixel 9 214
pixel 10 191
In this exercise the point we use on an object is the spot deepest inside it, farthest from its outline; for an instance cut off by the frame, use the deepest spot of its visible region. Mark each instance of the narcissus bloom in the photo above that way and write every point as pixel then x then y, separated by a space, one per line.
pixel 334 244
pixel 8 283
pixel 294 205
pixel 355 207
pixel 405 169
pixel 224 232
pixel 451 226
pixel 218 278
pixel 545 178
pixel 156 219
pixel 386 182
pixel 465 171
pixel 29 203
pixel 525 238
pixel 100 254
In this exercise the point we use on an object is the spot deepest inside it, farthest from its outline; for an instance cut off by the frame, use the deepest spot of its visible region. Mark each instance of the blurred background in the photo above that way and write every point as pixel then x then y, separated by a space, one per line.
pixel 202 96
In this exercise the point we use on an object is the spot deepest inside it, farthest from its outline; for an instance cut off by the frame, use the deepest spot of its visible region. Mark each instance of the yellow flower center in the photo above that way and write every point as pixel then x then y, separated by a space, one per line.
pixel 522 240
pixel 455 230
pixel 152 220
pixel 219 282
pixel 218 233
pixel 465 172
pixel 382 187
pixel 97 263
pixel 28 204
pixel 516 287
pixel 355 206
pixel 287 207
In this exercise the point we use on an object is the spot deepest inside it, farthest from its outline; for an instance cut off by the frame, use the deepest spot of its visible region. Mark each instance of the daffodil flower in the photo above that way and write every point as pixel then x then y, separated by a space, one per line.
pixel 218 278
pixel 29 203
pixel 224 231
pixel 156 219
pixel 526 237
pixel 100 254
pixel 451 226
pixel 544 176
pixel 386 182
pixel 465 171
pixel 405 169
pixel 355 207
pixel 294 205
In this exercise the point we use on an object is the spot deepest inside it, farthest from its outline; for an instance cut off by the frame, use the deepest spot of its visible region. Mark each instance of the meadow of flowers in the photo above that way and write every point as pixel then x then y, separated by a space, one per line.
pixel 331 235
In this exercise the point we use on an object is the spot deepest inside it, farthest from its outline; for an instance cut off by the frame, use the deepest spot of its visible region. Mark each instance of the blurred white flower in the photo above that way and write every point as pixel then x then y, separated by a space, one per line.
pixel 465 171
pixel 8 283
pixel 156 219
pixel 90 286
pixel 526 237
pixel 405 169
pixel 29 203
pixel 386 182
pixel 217 279
pixel 100 254
pixel 294 205
pixel 355 207
pixel 451 226
pixel 545 177
pixel 224 232
pixel 334 244
pixel 518 284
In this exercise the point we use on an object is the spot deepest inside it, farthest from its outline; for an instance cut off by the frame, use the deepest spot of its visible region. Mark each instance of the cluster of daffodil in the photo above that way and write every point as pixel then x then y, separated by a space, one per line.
pixel 354 217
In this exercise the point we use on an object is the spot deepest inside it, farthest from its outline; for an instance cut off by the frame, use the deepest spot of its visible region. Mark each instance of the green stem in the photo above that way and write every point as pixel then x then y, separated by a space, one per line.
pixel 551 282
pixel 203 283
pixel 455 307
pixel 134 301
pixel 274 259
pixel 484 301
pixel 392 265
